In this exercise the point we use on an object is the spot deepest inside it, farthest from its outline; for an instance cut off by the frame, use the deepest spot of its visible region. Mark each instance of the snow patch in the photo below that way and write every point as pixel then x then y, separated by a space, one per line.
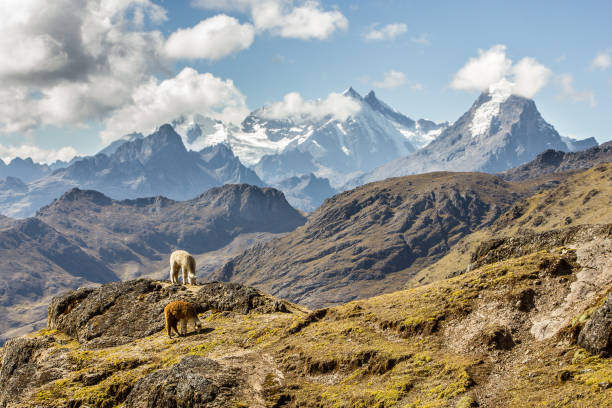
pixel 481 120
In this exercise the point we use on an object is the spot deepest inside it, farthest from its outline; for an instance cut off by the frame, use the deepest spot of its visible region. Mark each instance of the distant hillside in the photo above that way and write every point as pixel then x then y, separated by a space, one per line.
pixel 365 241
pixel 555 161
pixel 306 192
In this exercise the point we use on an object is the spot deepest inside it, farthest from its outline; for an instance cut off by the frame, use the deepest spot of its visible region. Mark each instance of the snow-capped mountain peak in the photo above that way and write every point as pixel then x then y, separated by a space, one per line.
pixel 340 138
pixel 500 131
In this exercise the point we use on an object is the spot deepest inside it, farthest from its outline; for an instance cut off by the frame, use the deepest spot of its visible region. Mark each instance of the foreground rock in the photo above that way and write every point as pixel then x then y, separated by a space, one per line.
pixel 194 382
pixel 596 336
pixel 120 312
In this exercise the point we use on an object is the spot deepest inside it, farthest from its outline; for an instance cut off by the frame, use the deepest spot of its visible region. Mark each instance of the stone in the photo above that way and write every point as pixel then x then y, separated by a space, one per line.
pixel 194 382
pixel 596 336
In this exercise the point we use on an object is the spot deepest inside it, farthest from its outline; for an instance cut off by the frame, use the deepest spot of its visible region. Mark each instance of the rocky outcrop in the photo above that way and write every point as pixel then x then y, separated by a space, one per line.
pixel 596 336
pixel 499 249
pixel 120 312
pixel 19 367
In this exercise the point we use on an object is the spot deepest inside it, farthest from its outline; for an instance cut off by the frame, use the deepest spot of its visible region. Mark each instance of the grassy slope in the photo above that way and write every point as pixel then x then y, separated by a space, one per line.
pixel 431 346
pixel 584 198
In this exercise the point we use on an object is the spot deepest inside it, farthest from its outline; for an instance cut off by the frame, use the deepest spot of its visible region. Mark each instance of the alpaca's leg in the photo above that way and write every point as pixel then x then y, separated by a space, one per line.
pixel 185 275
pixel 174 273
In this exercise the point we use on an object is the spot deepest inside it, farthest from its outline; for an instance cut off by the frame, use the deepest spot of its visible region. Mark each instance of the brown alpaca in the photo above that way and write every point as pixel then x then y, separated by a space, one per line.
pixel 180 312
pixel 182 260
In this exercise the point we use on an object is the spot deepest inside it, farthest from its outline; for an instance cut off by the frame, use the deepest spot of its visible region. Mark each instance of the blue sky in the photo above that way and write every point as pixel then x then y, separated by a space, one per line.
pixel 76 89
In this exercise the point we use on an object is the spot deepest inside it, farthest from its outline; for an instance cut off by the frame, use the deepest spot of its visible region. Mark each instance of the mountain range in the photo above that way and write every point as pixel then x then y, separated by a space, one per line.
pixel 309 157
pixel 325 145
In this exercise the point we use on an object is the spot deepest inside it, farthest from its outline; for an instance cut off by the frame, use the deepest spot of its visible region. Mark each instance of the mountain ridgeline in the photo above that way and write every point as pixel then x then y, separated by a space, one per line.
pixel 158 164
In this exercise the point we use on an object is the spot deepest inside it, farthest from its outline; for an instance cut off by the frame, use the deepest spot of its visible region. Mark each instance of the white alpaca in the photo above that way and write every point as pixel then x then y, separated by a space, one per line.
pixel 182 260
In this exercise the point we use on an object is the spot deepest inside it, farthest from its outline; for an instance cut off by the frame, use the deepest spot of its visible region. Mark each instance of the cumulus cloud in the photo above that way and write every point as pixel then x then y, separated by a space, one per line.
pixel 480 72
pixel 66 63
pixel 295 108
pixel 212 39
pixel 391 79
pixel 388 32
pixel 190 92
pixel 565 83
pixel 8 153
pixel 285 18
pixel 529 76
pixel 603 60
pixel 493 67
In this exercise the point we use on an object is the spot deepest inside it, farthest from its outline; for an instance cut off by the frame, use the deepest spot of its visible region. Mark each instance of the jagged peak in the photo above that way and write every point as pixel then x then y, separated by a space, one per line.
pixel 76 194
pixel 352 93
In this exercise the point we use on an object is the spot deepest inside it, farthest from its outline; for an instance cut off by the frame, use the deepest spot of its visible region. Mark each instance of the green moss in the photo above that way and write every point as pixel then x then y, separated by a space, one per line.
pixel 466 402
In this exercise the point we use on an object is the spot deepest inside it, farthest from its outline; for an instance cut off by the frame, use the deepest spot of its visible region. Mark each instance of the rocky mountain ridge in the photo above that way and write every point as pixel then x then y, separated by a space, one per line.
pixel 555 161
pixel 157 164
pixel 362 242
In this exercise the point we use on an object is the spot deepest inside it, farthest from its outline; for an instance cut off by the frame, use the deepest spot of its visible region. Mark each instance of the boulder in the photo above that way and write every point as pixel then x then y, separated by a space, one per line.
pixel 19 369
pixel 596 336
pixel 194 382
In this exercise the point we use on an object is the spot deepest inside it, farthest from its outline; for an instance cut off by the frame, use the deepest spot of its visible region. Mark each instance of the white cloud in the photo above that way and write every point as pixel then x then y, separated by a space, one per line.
pixel 295 108
pixel 39 155
pixel 284 18
pixel 568 92
pixel 391 79
pixel 493 68
pixel 529 76
pixel 212 39
pixel 603 60
pixel 479 73
pixel 72 63
pixel 388 32
pixel 66 62
pixel 190 92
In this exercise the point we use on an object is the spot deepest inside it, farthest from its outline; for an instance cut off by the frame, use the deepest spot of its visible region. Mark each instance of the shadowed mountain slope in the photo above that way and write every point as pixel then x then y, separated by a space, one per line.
pixel 555 161
pixel 143 231
pixel 363 242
